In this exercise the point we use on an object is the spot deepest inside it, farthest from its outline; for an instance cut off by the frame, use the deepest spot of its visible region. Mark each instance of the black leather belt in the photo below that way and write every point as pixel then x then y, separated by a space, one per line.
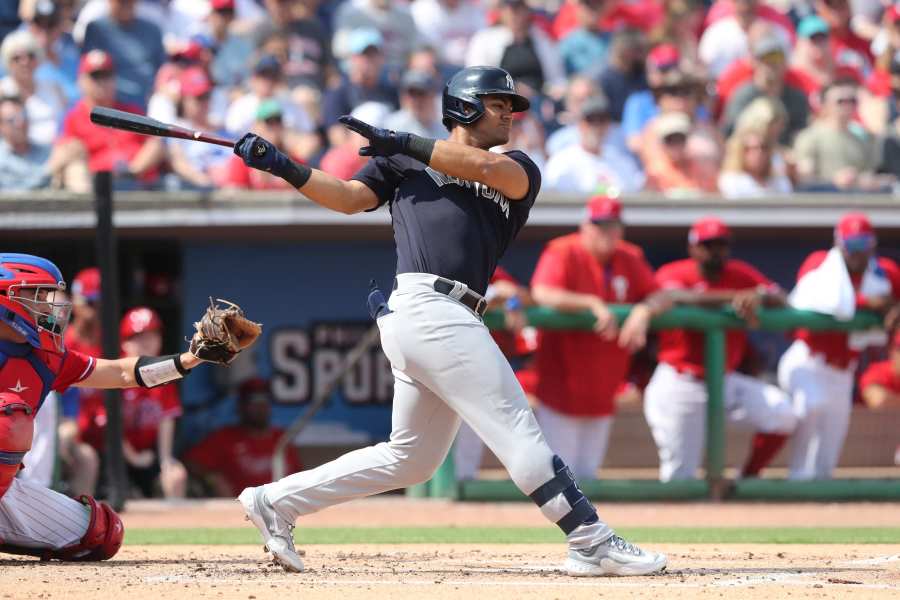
pixel 473 300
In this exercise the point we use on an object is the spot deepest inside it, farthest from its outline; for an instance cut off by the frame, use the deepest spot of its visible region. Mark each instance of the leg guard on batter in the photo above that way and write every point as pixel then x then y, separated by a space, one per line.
pixel 563 503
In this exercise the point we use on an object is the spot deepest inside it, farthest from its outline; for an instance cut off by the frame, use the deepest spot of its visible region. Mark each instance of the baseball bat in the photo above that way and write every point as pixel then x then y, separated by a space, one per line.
pixel 119 119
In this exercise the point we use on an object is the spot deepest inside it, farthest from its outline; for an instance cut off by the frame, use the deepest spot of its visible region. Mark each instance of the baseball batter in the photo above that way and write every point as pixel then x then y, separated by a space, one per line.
pixel 455 207
pixel 818 368
pixel 675 398
pixel 35 520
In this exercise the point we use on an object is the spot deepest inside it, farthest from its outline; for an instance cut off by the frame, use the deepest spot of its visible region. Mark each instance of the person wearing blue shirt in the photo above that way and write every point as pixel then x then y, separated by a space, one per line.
pixel 135 45
pixel 586 46
pixel 61 53
pixel 23 165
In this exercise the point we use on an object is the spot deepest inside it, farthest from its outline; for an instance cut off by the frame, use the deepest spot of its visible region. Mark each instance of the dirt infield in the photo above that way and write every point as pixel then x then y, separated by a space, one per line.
pixel 414 572
pixel 439 571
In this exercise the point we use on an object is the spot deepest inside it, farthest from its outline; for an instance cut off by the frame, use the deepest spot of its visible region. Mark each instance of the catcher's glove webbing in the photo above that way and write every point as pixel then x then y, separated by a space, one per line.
pixel 223 332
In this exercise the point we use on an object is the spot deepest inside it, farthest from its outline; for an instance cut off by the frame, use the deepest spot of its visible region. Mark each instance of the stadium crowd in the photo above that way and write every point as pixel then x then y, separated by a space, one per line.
pixel 735 97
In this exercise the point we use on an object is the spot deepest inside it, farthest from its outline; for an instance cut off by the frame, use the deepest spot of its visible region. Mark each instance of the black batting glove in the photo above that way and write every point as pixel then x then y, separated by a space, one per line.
pixel 386 142
pixel 260 153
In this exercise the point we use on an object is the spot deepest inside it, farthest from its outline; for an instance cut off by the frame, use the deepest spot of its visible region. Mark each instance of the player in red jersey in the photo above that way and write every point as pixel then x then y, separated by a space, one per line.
pixel 33 361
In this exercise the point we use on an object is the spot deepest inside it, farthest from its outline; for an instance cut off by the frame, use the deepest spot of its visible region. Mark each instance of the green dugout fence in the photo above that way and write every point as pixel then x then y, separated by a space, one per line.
pixel 714 324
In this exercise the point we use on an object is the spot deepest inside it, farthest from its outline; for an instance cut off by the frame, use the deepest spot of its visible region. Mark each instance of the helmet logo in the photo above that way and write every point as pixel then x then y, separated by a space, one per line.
pixel 509 82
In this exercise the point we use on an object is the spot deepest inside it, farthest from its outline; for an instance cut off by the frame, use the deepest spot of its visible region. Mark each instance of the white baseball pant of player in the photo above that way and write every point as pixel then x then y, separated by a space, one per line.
pixel 675 408
pixel 40 461
pixel 580 441
pixel 468 450
pixel 823 399
pixel 33 516
pixel 446 366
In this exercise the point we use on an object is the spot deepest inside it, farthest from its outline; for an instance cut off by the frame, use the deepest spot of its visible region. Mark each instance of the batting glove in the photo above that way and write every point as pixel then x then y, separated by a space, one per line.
pixel 386 142
pixel 260 153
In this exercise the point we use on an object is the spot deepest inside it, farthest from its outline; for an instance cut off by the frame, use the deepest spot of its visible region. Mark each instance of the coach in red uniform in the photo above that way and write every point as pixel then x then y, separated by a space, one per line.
pixel 819 367
pixel 240 456
pixel 675 398
pixel 579 372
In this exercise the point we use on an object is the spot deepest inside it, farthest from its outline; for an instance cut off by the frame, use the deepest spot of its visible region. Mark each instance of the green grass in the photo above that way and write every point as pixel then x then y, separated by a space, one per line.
pixel 523 535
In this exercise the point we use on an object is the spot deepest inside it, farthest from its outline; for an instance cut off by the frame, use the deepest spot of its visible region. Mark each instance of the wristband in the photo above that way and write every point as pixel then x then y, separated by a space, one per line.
pixel 420 148
pixel 294 173
pixel 151 371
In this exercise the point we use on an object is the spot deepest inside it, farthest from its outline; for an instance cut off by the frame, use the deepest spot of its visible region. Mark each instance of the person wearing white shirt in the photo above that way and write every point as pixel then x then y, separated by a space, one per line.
pixel 582 168
pixel 449 25
pixel 726 40
pixel 751 168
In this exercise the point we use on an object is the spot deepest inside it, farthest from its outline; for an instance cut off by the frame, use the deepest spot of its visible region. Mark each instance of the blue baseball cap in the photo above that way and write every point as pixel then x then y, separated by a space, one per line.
pixel 360 40
pixel 812 25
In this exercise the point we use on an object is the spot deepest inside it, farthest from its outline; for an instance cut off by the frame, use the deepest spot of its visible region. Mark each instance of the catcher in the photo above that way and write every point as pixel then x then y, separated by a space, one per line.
pixel 35 520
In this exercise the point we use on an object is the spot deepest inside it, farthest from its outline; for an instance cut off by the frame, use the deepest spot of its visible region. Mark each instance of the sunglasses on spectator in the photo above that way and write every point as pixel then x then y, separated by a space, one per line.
pixel 101 75
pixel 772 59
pixel 675 90
pixel 418 93
pixel 819 38
pixel 845 100
pixel 274 121
pixel 716 244
pixel 597 119
pixel 760 147
pixel 675 139
pixel 24 56
pixel 225 12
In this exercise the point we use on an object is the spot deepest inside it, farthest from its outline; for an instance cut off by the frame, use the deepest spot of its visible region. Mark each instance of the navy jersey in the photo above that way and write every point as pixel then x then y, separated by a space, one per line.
pixel 447 226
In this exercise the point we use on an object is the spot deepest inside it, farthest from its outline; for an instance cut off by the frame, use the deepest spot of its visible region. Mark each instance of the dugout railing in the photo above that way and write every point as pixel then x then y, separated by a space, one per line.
pixel 714 324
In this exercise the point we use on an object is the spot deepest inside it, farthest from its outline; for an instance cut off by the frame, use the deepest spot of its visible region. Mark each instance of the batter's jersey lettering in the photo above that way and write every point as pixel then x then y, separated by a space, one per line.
pixel 833 345
pixel 448 226
pixel 33 373
pixel 684 349
pixel 578 372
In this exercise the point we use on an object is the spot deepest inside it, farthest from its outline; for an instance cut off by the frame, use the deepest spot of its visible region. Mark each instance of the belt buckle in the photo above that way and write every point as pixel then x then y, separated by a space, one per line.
pixel 481 306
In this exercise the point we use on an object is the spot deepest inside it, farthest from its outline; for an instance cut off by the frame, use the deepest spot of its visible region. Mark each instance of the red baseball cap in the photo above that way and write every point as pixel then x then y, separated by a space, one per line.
pixel 603 208
pixel 664 56
pixel 95 61
pixel 222 4
pixel 892 13
pixel 86 284
pixel 138 320
pixel 854 233
pixel 255 388
pixel 195 82
pixel 708 228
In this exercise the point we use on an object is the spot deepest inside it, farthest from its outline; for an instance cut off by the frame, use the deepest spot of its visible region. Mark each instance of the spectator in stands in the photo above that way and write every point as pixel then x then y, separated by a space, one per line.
pixel 749 168
pixel 267 83
pixel 135 45
pixel 769 64
pixel 580 168
pixel 580 88
pixel 675 399
pixel 838 15
pixel 586 46
pixel 812 55
pixel 835 153
pixel 308 59
pixel 769 116
pixel 198 166
pixel 389 17
pixel 663 75
pixel 343 160
pixel 134 158
pixel 419 113
pixel 270 124
pixel 362 83
pixel 522 48
pixel 232 47
pixel 880 383
pixel 671 167
pixel 148 414
pixel 60 65
pixel 44 101
pixel 726 39
pixel 818 368
pixel 240 456
pixel 578 372
pixel 624 72
pixel 449 25
pixel 426 58
pixel 23 165
pixel 680 26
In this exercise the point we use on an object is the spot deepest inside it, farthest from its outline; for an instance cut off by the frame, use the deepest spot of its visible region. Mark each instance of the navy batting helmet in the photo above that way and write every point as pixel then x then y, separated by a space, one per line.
pixel 462 94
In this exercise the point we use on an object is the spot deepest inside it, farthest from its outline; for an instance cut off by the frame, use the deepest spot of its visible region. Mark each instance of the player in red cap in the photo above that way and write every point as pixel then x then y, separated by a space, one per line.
pixel 148 414
pixel 579 372
pixel 818 368
pixel 880 384
pixel 675 398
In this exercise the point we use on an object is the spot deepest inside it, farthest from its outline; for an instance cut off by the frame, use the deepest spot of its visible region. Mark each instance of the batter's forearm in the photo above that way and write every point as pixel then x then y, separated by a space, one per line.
pixel 473 164
pixel 348 197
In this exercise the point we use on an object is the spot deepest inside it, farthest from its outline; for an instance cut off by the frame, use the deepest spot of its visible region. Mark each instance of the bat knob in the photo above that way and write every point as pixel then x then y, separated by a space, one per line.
pixel 259 150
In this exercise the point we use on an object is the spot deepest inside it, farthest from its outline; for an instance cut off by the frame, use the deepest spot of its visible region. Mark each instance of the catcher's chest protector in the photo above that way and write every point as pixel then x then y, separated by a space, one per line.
pixel 16 430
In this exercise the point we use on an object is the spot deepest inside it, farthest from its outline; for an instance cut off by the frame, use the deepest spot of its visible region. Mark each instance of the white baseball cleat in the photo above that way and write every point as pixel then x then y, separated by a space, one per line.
pixel 277 533
pixel 613 556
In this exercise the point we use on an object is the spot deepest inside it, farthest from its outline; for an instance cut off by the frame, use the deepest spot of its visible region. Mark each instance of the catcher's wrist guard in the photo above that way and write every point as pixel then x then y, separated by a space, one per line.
pixel 151 371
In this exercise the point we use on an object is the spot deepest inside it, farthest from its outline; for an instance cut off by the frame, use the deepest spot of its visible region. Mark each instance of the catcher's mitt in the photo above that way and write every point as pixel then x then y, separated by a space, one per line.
pixel 223 332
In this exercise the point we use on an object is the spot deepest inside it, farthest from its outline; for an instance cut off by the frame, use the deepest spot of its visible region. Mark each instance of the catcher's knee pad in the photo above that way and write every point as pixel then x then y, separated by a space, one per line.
pixel 16 431
pixel 102 539
pixel 562 502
